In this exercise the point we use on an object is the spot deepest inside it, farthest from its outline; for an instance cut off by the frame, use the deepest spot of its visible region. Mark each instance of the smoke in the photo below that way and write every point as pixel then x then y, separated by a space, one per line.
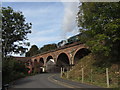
pixel 69 21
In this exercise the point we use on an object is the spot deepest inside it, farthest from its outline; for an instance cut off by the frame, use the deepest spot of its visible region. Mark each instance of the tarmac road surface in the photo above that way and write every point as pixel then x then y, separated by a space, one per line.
pixel 49 80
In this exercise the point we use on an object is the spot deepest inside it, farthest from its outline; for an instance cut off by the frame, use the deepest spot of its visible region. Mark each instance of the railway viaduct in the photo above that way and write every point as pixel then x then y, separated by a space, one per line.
pixel 66 55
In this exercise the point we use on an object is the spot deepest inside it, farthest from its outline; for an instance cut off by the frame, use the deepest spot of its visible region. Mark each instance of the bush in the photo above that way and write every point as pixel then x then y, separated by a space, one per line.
pixel 13 70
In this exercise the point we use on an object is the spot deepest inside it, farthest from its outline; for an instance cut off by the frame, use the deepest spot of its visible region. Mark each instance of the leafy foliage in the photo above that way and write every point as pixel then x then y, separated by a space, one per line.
pixel 14 31
pixel 33 51
pixel 100 24
pixel 48 47
pixel 12 70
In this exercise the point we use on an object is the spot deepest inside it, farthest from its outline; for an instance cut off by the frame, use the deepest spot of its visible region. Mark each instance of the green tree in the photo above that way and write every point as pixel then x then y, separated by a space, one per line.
pixel 14 31
pixel 33 51
pixel 48 47
pixel 100 23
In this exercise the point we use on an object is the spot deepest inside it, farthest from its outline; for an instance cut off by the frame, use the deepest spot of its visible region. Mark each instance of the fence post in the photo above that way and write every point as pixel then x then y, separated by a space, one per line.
pixel 91 76
pixel 61 72
pixel 107 77
pixel 82 75
pixel 67 73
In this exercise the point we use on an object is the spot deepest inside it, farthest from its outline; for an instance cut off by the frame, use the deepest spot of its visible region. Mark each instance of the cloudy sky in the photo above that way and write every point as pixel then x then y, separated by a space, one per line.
pixel 51 21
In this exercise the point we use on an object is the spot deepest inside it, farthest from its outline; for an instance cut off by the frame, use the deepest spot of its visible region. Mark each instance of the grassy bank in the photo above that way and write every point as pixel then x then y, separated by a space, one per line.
pixel 95 71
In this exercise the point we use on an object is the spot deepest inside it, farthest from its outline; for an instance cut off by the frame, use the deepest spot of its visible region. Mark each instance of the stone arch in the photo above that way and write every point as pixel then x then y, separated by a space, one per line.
pixel 50 64
pixel 35 63
pixel 49 57
pixel 41 61
pixel 36 66
pixel 79 53
pixel 35 60
pixel 63 60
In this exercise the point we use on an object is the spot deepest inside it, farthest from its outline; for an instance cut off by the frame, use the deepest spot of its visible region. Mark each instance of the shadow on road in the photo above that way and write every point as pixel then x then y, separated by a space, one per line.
pixel 23 81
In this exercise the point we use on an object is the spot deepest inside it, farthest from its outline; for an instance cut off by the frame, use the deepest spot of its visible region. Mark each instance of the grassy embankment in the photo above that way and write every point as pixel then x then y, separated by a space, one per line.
pixel 95 71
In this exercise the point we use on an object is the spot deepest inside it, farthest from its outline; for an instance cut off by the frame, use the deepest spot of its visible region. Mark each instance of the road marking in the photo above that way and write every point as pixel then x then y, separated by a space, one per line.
pixel 61 83
pixel 58 82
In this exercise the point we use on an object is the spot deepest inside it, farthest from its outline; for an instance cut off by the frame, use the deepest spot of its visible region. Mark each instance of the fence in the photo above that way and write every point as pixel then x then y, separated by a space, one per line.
pixel 105 77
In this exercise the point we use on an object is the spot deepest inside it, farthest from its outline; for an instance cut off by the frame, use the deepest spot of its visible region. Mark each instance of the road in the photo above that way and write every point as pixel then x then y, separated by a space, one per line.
pixel 38 81
pixel 48 80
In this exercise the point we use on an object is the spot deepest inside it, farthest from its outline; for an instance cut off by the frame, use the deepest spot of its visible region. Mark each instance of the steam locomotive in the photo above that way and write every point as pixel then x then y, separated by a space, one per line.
pixel 69 41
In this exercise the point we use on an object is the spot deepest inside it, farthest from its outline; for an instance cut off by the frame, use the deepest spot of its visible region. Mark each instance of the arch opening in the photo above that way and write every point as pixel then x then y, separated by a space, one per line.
pixel 36 66
pixel 41 61
pixel 80 54
pixel 50 64
pixel 35 60
pixel 41 64
pixel 49 58
pixel 62 61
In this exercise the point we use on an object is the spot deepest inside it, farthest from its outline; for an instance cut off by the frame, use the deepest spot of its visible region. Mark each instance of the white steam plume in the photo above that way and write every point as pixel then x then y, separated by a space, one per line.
pixel 69 21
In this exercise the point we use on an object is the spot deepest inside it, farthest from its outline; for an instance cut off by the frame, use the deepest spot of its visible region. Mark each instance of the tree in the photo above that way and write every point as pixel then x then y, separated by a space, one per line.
pixel 48 47
pixel 100 23
pixel 33 51
pixel 14 32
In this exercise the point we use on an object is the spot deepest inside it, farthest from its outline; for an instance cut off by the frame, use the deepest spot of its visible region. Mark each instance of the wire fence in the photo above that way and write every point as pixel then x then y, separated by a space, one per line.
pixel 105 77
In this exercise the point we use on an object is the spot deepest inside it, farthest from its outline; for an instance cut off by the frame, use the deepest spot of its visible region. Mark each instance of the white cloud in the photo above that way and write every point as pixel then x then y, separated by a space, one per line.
pixel 29 12
pixel 43 37
pixel 40 41
pixel 43 32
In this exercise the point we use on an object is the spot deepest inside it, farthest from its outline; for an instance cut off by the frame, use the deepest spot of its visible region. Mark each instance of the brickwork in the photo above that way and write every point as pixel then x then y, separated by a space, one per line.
pixel 70 51
pixel 23 59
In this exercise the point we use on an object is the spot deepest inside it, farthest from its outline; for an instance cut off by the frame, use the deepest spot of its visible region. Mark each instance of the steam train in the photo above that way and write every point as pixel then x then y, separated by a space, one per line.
pixel 69 41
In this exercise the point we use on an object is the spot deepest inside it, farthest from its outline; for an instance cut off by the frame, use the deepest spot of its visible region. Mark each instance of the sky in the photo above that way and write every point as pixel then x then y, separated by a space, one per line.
pixel 51 21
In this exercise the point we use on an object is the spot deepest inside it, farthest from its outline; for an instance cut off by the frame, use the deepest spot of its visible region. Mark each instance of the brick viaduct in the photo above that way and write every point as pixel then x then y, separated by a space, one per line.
pixel 68 54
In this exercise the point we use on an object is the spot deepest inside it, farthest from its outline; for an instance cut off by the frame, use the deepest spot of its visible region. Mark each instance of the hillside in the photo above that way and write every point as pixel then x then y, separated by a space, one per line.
pixel 94 71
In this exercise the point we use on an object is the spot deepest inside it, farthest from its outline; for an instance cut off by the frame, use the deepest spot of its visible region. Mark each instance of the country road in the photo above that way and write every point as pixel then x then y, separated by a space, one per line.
pixel 37 81
pixel 48 80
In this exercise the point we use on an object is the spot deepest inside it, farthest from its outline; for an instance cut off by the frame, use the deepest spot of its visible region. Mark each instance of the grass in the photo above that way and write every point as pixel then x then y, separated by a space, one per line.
pixel 98 74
